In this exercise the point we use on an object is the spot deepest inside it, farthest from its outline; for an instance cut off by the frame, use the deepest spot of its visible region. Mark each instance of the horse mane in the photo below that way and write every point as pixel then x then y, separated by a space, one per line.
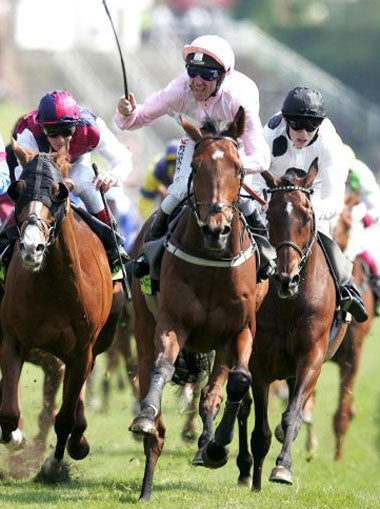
pixel 217 128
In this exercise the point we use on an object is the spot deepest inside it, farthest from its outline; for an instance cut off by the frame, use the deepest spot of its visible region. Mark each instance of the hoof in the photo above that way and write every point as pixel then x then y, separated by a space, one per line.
pixel 78 450
pixel 279 433
pixel 282 475
pixel 214 455
pixel 198 460
pixel 53 472
pixel 142 426
pixel 245 481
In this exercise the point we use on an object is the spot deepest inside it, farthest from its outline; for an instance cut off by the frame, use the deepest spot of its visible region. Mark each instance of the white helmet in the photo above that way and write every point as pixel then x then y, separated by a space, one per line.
pixel 213 46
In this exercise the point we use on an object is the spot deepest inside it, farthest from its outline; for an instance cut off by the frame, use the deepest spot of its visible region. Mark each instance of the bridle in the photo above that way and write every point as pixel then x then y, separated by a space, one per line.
pixel 214 208
pixel 302 252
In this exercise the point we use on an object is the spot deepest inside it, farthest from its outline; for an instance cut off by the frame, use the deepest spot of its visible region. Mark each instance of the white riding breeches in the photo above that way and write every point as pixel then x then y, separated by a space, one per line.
pixel 83 176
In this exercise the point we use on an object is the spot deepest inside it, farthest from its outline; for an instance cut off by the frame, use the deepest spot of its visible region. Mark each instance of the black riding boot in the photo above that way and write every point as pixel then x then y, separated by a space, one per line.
pixel 159 226
pixel 7 238
pixel 266 250
pixel 157 230
pixel 341 268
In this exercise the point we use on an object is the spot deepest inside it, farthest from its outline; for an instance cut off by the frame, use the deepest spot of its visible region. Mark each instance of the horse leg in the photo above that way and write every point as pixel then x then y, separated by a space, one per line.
pixel 77 445
pixel 244 457
pixel 261 435
pixel 190 394
pixel 54 468
pixel 53 370
pixel 215 454
pixel 345 412
pixel 209 404
pixel 292 419
pixel 11 365
pixel 311 437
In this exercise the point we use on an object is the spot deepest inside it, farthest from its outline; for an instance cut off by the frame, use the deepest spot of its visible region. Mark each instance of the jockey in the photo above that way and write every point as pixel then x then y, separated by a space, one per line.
pixel 59 119
pixel 365 214
pixel 209 87
pixel 157 179
pixel 297 135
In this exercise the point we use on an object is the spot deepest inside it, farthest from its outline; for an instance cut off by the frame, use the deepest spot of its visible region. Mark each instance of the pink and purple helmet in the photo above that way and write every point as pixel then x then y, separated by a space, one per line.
pixel 209 50
pixel 58 107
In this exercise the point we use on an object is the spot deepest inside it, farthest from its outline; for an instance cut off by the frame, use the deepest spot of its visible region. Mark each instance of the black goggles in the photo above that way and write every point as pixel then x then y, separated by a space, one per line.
pixel 307 123
pixel 55 131
pixel 206 73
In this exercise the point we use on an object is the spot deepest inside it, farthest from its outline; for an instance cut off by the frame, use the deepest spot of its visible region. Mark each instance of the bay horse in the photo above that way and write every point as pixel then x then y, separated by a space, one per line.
pixel 294 323
pixel 349 353
pixel 58 297
pixel 207 297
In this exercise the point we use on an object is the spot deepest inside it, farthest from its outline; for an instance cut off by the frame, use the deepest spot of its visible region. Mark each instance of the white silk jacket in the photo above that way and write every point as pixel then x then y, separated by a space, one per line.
pixel 329 185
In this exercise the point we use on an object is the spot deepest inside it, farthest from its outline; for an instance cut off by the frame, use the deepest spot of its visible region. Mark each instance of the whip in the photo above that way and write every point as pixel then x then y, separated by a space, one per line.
pixel 119 48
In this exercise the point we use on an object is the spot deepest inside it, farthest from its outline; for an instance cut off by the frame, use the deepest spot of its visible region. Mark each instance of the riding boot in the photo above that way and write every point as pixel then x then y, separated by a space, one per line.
pixel 159 226
pixel 8 235
pixel 158 229
pixel 116 252
pixel 266 250
pixel 341 268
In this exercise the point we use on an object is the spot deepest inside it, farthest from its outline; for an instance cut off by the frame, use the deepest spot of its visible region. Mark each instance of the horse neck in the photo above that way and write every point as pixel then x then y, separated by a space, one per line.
pixel 68 244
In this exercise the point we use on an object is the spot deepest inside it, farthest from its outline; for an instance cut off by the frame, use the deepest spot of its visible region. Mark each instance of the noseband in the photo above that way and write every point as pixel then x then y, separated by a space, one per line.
pixel 214 208
pixel 303 252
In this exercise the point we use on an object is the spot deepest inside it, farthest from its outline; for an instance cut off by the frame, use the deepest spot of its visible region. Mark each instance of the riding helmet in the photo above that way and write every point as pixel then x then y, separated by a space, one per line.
pixel 58 107
pixel 304 102
pixel 210 51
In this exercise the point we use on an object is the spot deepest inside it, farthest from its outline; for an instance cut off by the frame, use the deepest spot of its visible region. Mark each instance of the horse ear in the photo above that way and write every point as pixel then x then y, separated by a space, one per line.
pixel 312 173
pixel 192 130
pixel 23 156
pixel 61 192
pixel 238 124
pixel 15 189
pixel 270 179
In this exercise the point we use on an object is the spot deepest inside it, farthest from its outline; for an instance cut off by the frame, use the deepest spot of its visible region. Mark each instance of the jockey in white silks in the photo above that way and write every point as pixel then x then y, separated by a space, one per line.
pixel 297 135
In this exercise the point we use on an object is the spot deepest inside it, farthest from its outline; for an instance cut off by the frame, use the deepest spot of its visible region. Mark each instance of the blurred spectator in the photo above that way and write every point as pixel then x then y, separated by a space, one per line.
pixel 158 177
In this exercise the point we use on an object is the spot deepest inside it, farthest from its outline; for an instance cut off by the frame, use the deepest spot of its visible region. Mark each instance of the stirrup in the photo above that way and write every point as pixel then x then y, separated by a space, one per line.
pixel 353 304
pixel 266 271
pixel 140 267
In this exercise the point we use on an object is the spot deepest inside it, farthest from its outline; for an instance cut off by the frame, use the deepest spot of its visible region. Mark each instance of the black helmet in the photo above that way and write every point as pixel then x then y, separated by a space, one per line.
pixel 304 102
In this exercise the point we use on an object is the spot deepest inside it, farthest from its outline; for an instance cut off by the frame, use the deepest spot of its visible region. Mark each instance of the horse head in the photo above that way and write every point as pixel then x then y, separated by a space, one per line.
pixel 291 224
pixel 216 176
pixel 41 198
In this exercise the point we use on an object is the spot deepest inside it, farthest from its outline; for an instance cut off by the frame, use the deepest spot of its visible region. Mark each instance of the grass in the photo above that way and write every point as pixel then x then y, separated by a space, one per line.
pixel 110 477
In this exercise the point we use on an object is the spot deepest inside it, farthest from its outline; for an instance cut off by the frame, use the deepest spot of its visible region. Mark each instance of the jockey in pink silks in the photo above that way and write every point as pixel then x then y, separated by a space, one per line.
pixel 209 87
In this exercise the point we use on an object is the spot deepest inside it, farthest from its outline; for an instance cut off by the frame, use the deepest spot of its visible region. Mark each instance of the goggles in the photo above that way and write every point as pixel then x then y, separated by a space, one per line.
pixel 308 123
pixel 55 131
pixel 206 73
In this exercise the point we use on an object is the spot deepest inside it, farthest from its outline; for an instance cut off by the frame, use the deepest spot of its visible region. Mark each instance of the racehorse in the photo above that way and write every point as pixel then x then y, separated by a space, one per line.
pixel 207 298
pixel 58 297
pixel 294 323
pixel 349 353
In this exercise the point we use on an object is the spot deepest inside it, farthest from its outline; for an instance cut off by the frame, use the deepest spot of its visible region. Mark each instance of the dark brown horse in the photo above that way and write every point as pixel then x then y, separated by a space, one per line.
pixel 349 353
pixel 58 297
pixel 294 323
pixel 207 298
